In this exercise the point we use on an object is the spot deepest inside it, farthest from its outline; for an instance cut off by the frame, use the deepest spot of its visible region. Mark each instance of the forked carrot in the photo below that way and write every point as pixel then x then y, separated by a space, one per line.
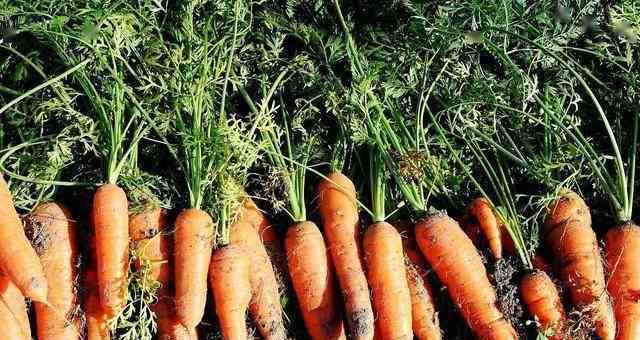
pixel 14 320
pixel 17 257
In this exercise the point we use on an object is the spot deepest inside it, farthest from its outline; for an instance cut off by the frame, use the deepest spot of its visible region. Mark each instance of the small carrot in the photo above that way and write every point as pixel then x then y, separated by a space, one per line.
pixel 391 296
pixel 17 257
pixel 229 279
pixel 111 223
pixel 266 231
pixel 459 267
pixel 193 244
pixel 54 232
pixel 568 236
pixel 96 317
pixel 339 213
pixel 265 306
pixel 622 255
pixel 482 220
pixel 541 296
pixel 14 320
pixel 313 282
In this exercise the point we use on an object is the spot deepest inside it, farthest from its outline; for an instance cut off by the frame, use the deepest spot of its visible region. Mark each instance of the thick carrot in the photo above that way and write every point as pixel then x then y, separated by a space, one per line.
pixel 265 306
pixel 568 236
pixel 17 257
pixel 229 279
pixel 111 223
pixel 172 329
pixel 96 317
pixel 387 276
pixel 14 320
pixel 193 244
pixel 313 282
pixel 541 296
pixel 54 234
pixel 339 213
pixel 459 267
pixel 622 255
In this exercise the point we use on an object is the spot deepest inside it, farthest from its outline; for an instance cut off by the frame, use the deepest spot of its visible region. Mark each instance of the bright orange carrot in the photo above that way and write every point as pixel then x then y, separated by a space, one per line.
pixel 111 224
pixel 14 318
pixel 622 255
pixel 482 220
pixel 459 267
pixel 339 213
pixel 96 317
pixel 193 244
pixel 541 296
pixel 54 235
pixel 313 282
pixel 387 276
pixel 568 236
pixel 229 279
pixel 265 230
pixel 17 257
pixel 265 306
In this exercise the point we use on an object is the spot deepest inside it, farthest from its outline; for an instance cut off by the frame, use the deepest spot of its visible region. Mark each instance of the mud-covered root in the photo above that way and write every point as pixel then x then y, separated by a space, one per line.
pixel 568 236
pixel 387 276
pixel 459 267
pixel 541 296
pixel 313 282
pixel 622 256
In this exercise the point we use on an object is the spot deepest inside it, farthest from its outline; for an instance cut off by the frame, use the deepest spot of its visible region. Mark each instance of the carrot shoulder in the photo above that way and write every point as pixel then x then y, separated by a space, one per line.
pixel 193 244
pixel 111 223
pixel 14 320
pixel 459 267
pixel 54 234
pixel 568 236
pixel 313 282
pixel 18 259
pixel 339 213
pixel 387 276
pixel 542 299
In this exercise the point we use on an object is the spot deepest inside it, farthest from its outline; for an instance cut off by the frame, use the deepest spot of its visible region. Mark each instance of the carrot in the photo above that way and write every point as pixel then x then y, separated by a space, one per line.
pixel 339 213
pixel 265 230
pixel 229 279
pixel 111 223
pixel 96 317
pixel 17 257
pixel 391 296
pixel 482 220
pixel 193 243
pixel 171 329
pixel 568 236
pixel 54 233
pixel 313 282
pixel 14 320
pixel 541 296
pixel 538 262
pixel 265 306
pixel 458 265
pixel 622 255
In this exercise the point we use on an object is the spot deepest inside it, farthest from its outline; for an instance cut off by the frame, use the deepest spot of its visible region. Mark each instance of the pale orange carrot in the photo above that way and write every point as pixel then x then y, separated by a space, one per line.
pixel 14 320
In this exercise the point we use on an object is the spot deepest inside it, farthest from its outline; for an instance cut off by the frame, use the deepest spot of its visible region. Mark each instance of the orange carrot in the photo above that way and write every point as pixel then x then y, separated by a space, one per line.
pixel 622 255
pixel 17 257
pixel 265 306
pixel 313 282
pixel 458 265
pixel 171 329
pixel 339 213
pixel 14 320
pixel 568 236
pixel 388 279
pixel 265 230
pixel 482 220
pixel 54 235
pixel 96 317
pixel 111 223
pixel 229 279
pixel 193 243
pixel 541 296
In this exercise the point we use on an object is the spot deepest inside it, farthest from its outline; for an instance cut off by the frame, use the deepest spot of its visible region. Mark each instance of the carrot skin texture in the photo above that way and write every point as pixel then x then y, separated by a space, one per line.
pixel 387 276
pixel 58 255
pixel 96 317
pixel 111 223
pixel 622 255
pixel 542 298
pixel 18 259
pixel 229 279
pixel 568 235
pixel 313 281
pixel 339 213
pixel 192 256
pixel 265 306
pixel 14 320
pixel 172 329
pixel 459 267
